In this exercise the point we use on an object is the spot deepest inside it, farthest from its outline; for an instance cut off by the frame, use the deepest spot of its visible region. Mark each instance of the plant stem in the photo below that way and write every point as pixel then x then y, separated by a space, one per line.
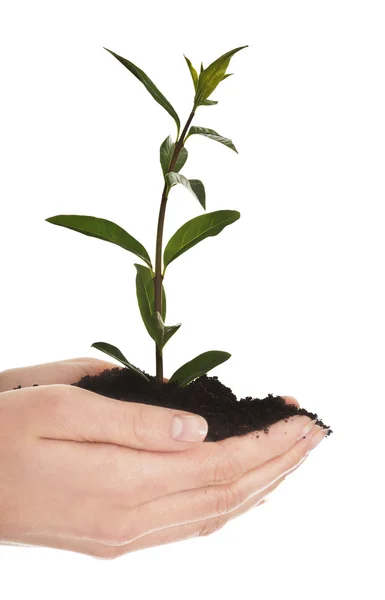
pixel 159 239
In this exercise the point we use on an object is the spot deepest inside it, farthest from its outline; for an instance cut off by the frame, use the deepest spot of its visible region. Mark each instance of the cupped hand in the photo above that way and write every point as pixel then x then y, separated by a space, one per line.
pixel 86 473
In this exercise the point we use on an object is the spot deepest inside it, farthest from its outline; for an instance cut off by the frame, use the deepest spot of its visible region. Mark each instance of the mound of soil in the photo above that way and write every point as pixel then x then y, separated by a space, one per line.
pixel 205 396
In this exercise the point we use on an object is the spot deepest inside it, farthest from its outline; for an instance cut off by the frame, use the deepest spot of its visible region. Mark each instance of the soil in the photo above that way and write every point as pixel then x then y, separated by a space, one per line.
pixel 205 396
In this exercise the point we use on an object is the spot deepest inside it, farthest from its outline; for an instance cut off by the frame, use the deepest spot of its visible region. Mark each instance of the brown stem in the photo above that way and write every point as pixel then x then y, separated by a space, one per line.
pixel 159 239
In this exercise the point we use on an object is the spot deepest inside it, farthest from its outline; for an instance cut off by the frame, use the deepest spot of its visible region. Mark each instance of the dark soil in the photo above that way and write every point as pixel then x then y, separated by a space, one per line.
pixel 205 396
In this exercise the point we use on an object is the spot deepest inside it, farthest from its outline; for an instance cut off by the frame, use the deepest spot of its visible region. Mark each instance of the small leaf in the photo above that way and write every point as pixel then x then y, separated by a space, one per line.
pixel 210 77
pixel 180 161
pixel 208 102
pixel 174 178
pixel 196 230
pixel 166 152
pixel 227 75
pixel 151 87
pixel 162 332
pixel 198 366
pixel 199 191
pixel 213 135
pixel 145 292
pixel 193 72
pixel 116 353
pixel 103 230
pixel 150 289
pixel 145 301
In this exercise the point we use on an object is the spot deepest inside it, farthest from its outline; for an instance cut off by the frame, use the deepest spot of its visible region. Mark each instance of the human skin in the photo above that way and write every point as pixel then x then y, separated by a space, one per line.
pixel 90 474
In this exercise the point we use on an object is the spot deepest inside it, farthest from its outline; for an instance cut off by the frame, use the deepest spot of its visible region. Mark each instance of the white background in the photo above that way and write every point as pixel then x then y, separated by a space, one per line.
pixel 294 290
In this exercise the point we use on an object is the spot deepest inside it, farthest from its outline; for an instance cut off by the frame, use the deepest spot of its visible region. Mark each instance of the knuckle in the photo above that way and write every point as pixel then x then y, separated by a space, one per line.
pixel 227 469
pixel 54 402
pixel 227 498
pixel 211 526
pixel 139 426
pixel 52 397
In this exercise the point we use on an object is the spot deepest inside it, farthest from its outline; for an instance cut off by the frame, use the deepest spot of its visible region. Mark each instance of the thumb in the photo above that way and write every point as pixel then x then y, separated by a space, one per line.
pixel 61 371
pixel 71 413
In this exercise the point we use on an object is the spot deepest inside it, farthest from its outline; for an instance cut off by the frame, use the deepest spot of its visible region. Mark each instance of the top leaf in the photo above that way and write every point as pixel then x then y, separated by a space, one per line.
pixel 209 102
pixel 104 230
pixel 210 77
pixel 193 72
pixel 151 87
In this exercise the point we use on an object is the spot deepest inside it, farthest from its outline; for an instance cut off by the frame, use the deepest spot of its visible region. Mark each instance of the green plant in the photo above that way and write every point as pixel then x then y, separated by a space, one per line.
pixel 149 282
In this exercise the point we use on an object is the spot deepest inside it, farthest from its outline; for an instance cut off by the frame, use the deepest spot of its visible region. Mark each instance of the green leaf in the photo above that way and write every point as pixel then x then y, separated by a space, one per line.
pixel 145 292
pixel 198 366
pixel 196 230
pixel 145 300
pixel 117 354
pixel 193 72
pixel 208 102
pixel 166 152
pixel 199 191
pixel 103 230
pixel 210 77
pixel 162 333
pixel 151 87
pixel 213 135
pixel 181 160
pixel 193 185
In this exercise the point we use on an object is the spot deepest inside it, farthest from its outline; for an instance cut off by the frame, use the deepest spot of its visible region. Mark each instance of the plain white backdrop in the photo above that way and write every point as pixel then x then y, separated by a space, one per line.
pixel 294 290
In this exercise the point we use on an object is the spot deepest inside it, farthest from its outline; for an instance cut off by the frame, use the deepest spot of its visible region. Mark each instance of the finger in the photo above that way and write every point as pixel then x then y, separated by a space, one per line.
pixel 198 505
pixel 161 536
pixel 160 473
pixel 64 371
pixel 216 463
pixel 183 531
pixel 75 414
pixel 291 400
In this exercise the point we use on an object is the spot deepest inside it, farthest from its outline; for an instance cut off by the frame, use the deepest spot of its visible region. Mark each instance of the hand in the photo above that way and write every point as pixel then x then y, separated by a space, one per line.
pixel 86 473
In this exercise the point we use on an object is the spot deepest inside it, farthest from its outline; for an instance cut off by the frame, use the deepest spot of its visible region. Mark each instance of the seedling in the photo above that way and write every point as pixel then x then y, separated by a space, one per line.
pixel 149 280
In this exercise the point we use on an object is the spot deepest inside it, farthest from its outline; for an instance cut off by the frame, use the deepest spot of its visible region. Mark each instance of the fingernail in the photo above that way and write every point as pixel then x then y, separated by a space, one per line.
pixel 307 429
pixel 188 428
pixel 318 437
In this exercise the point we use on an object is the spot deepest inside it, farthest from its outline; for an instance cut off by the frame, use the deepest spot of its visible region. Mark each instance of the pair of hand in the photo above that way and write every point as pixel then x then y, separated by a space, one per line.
pixel 86 473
